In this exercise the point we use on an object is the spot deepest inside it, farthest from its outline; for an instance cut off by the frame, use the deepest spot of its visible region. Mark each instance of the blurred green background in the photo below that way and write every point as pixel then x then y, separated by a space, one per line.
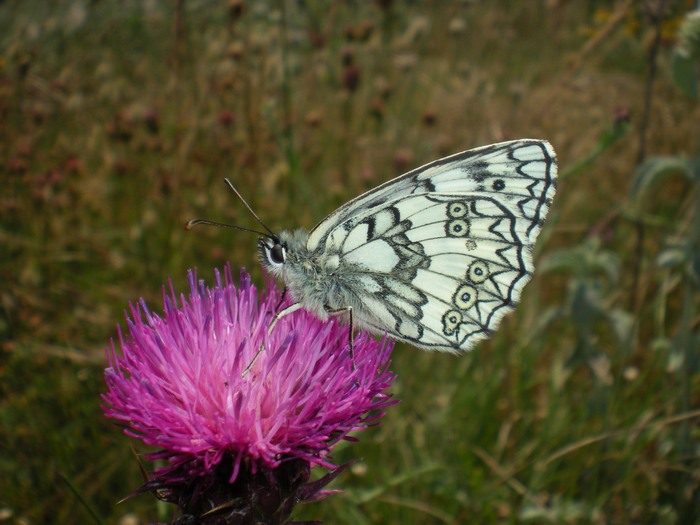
pixel 120 119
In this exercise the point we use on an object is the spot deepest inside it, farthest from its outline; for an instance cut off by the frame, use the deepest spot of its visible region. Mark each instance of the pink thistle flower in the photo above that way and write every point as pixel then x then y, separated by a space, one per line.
pixel 240 439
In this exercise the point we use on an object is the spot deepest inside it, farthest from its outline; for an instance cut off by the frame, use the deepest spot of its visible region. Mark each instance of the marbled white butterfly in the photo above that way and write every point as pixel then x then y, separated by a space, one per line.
pixel 435 257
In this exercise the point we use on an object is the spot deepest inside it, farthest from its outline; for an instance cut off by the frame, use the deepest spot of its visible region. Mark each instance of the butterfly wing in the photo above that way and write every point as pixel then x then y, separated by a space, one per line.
pixel 438 256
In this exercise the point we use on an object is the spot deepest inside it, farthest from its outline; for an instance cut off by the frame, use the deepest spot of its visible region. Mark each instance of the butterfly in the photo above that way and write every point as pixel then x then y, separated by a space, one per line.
pixel 435 257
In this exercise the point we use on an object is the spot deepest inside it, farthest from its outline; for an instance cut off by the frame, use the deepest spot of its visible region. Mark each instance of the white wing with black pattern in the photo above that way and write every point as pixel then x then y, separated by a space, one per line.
pixel 435 257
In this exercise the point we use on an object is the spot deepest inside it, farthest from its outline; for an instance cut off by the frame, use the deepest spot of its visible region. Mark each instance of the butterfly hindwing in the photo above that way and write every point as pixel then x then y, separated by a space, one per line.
pixel 438 256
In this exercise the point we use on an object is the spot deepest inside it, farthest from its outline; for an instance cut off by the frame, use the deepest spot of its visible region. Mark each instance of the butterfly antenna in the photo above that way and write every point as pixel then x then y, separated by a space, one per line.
pixel 271 233
pixel 194 222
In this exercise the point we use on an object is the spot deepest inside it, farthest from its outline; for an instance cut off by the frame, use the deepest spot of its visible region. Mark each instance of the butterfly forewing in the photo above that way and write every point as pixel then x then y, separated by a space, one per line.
pixel 528 164
pixel 438 256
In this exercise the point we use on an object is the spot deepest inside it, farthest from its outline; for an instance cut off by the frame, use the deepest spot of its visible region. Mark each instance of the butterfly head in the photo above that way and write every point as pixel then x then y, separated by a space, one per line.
pixel 285 255
pixel 273 253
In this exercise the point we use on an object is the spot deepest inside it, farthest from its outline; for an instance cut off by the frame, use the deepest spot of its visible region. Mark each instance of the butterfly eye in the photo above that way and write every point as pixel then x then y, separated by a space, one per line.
pixel 277 254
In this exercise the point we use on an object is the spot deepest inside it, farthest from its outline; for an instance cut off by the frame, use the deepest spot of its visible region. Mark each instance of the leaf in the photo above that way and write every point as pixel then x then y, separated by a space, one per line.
pixel 671 257
pixel 584 260
pixel 586 303
pixel 661 345
pixel 685 73
pixel 622 323
pixel 365 496
pixel 694 267
pixel 685 255
pixel 606 140
pixel 545 318
pixel 559 510
pixel 655 169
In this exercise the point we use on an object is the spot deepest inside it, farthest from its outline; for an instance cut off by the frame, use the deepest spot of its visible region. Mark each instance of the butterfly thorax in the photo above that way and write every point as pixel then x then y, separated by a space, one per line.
pixel 311 278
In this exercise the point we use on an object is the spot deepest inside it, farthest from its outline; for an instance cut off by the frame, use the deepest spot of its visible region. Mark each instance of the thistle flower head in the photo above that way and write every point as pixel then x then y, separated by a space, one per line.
pixel 237 412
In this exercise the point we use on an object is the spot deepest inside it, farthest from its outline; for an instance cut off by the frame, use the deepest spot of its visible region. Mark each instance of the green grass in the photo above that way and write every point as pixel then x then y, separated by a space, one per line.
pixel 115 130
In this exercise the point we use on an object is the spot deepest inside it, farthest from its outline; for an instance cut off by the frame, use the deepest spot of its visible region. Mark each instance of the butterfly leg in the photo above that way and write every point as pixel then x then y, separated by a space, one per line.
pixel 351 335
pixel 291 308
pixel 279 305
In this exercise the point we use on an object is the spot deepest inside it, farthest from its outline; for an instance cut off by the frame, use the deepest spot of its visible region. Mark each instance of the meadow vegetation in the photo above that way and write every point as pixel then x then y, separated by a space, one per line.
pixel 120 120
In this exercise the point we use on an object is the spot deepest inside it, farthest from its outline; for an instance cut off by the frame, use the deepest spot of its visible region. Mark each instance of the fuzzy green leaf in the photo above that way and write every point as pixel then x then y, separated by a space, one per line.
pixel 684 71
pixel 654 169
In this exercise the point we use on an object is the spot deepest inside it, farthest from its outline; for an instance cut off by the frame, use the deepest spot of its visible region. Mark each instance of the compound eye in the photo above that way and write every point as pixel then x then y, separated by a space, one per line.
pixel 277 254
